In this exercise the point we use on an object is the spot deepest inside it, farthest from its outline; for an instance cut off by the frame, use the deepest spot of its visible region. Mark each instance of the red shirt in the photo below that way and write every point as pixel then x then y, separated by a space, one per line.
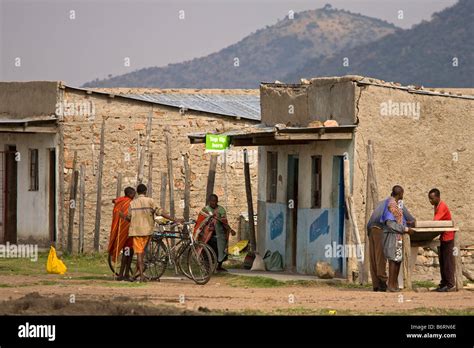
pixel 441 212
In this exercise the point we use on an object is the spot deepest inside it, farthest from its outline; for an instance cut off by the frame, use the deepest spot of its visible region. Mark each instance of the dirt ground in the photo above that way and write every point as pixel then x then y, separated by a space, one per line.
pixel 224 294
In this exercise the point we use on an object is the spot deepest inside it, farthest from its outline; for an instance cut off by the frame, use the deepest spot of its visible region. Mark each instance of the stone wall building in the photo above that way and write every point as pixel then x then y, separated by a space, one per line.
pixel 421 138
pixel 46 122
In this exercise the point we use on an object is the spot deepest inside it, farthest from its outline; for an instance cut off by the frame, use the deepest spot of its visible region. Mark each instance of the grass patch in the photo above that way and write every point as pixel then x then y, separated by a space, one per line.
pixel 92 277
pixel 309 311
pixel 88 263
pixel 22 285
pixel 347 285
pixel 304 283
pixel 47 282
pixel 433 311
pixel 266 282
pixel 116 284
pixel 295 311
pixel 299 310
pixel 253 282
pixel 424 284
pixel 24 266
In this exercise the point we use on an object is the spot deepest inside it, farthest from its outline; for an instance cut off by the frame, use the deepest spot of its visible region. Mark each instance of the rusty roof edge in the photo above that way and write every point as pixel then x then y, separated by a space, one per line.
pixel 414 90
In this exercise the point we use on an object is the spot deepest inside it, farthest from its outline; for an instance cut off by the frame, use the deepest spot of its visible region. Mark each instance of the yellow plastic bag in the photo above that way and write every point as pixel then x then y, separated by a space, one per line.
pixel 238 247
pixel 54 264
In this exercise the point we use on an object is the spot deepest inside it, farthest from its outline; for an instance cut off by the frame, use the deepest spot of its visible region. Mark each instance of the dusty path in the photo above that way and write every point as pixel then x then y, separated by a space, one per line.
pixel 220 296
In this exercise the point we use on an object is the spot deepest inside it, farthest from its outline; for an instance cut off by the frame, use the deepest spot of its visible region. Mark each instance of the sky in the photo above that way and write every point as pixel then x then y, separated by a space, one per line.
pixel 78 41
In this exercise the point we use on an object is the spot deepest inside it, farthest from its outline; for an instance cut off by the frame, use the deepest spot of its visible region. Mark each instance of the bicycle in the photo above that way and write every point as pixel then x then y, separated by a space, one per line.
pixel 115 268
pixel 195 259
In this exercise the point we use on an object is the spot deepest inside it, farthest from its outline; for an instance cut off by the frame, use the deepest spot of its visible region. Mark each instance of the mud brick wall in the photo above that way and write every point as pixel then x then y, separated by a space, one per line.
pixel 125 122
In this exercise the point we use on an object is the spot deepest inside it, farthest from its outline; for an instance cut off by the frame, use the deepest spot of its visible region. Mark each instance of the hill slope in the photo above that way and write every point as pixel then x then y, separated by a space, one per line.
pixel 421 55
pixel 265 55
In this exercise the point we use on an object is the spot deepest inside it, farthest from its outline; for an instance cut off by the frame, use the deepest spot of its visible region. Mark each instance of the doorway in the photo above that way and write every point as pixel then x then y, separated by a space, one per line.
pixel 10 170
pixel 52 195
pixel 292 201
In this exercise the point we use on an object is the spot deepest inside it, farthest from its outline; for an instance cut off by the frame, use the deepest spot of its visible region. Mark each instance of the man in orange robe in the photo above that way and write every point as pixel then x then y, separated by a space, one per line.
pixel 119 240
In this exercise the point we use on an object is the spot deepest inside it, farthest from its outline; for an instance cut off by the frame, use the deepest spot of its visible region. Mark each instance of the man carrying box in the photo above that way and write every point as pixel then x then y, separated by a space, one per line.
pixel 446 250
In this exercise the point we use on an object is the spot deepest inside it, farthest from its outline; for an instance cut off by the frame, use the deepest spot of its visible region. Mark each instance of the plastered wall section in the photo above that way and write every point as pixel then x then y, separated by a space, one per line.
pixel 32 206
pixel 419 152
pixel 284 104
pixel 298 105
pixel 331 99
pixel 21 100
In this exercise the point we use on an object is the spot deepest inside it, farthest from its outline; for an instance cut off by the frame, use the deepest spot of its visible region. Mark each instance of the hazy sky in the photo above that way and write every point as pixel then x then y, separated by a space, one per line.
pixel 51 45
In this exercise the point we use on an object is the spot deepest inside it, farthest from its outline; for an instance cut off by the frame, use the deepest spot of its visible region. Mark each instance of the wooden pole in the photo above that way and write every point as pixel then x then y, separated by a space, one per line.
pixel 72 210
pixel 141 156
pixel 406 261
pixel 170 180
pixel 72 204
pixel 82 197
pixel 118 192
pixel 98 209
pixel 62 236
pixel 458 262
pixel 374 189
pixel 211 177
pixel 225 178
pixel 350 207
pixel 164 181
pixel 144 150
pixel 248 192
pixel 94 169
pixel 349 234
pixel 150 176
pixel 369 207
pixel 170 175
pixel 187 187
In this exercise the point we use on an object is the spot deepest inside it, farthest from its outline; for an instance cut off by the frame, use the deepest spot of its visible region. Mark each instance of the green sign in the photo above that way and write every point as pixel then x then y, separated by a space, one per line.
pixel 217 142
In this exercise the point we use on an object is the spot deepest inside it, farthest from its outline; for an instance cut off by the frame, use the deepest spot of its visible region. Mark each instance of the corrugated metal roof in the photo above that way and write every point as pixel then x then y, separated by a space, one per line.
pixel 245 106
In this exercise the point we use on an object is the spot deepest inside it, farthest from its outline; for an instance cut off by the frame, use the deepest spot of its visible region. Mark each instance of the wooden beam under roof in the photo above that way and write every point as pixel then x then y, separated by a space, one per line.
pixel 313 136
pixel 29 129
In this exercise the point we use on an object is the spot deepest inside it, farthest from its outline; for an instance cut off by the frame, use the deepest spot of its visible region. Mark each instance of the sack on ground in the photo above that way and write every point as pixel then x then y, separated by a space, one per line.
pixel 273 261
pixel 258 264
pixel 54 264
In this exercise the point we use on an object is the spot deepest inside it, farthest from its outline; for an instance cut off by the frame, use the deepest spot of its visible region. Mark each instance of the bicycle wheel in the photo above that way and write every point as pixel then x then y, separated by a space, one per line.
pixel 156 259
pixel 115 267
pixel 200 263
pixel 182 261
pixel 213 258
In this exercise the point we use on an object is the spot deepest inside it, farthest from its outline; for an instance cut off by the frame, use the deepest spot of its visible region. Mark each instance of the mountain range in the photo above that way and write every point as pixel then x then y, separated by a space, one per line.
pixel 329 42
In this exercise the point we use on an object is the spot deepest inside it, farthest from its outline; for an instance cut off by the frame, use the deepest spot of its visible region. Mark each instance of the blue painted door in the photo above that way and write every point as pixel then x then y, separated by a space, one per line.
pixel 292 201
pixel 338 167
